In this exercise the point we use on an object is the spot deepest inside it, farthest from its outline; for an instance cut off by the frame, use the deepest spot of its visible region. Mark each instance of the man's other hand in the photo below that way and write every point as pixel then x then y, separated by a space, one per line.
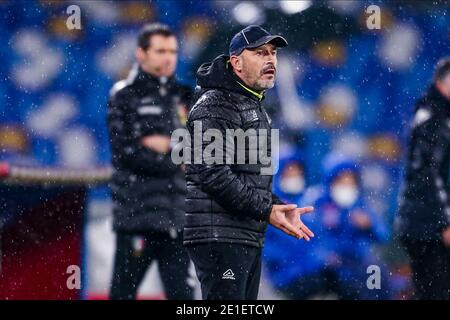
pixel 157 143
pixel 446 236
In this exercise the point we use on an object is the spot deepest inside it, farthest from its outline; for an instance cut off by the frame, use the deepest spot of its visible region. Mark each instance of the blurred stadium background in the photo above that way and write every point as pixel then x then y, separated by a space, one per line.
pixel 341 88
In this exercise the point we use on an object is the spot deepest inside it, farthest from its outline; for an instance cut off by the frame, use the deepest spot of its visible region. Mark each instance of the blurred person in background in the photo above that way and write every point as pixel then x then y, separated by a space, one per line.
pixel 345 248
pixel 282 267
pixel 289 183
pixel 423 220
pixel 350 229
pixel 148 188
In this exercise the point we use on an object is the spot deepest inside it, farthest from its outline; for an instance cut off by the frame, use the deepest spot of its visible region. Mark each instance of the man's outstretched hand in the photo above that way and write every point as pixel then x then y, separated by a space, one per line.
pixel 287 218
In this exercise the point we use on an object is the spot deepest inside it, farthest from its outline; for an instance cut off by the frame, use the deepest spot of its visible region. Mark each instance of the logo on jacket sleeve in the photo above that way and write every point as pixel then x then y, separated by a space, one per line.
pixel 150 110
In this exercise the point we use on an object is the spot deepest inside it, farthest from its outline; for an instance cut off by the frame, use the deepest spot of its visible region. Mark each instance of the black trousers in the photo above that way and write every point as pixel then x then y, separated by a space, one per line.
pixel 227 271
pixel 430 264
pixel 135 253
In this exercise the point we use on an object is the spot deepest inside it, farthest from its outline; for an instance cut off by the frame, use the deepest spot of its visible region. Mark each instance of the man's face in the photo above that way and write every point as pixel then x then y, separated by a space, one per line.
pixel 257 67
pixel 160 58
pixel 443 86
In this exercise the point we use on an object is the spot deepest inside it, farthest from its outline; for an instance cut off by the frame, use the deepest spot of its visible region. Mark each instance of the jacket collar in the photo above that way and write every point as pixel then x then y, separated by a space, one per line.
pixel 140 76
pixel 218 74
pixel 439 103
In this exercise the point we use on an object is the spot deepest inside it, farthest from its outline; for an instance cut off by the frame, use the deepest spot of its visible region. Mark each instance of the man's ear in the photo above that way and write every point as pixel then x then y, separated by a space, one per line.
pixel 139 54
pixel 441 87
pixel 236 63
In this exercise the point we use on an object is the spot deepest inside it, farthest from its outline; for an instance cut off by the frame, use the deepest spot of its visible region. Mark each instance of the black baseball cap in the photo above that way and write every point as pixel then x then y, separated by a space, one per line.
pixel 252 37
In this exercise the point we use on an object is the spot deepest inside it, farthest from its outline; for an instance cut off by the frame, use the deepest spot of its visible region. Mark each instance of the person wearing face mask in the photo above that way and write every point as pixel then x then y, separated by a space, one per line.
pixel 345 192
pixel 289 183
pixel 348 230
pixel 423 220
pixel 283 268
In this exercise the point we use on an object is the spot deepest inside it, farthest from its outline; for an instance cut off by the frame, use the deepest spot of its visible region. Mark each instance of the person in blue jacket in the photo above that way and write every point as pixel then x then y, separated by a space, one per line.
pixel 282 267
pixel 289 183
pixel 348 231
pixel 336 262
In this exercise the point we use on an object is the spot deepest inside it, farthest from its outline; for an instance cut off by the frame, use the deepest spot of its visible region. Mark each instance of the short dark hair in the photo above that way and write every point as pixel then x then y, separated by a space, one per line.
pixel 442 69
pixel 149 30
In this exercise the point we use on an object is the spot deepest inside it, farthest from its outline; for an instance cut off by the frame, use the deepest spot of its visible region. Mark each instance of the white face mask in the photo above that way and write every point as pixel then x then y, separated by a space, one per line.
pixel 345 196
pixel 292 185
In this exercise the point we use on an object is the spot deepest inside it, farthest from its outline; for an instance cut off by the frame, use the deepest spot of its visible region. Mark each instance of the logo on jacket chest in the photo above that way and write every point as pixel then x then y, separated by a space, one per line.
pixel 149 106
pixel 254 115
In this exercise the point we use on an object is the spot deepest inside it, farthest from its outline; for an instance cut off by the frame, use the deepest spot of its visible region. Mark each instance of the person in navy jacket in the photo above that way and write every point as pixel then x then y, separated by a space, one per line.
pixel 281 266
pixel 337 262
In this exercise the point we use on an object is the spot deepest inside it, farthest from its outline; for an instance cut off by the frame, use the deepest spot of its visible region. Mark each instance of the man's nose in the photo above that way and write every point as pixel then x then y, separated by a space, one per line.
pixel 271 59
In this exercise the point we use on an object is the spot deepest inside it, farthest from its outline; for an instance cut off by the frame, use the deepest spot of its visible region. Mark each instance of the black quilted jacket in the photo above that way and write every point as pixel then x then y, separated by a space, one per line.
pixel 148 189
pixel 425 201
pixel 227 202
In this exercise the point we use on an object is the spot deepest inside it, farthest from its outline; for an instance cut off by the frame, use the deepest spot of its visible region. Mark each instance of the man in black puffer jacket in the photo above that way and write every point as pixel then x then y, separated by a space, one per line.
pixel 423 222
pixel 148 189
pixel 229 204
